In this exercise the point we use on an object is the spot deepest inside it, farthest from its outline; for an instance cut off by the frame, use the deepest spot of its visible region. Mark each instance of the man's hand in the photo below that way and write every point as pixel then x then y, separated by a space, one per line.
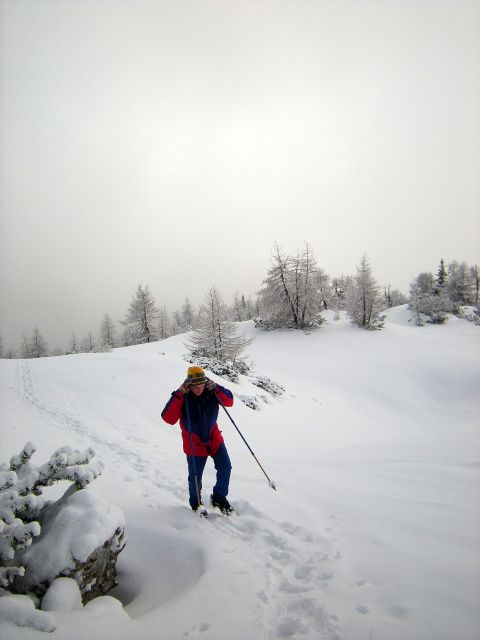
pixel 184 387
pixel 210 384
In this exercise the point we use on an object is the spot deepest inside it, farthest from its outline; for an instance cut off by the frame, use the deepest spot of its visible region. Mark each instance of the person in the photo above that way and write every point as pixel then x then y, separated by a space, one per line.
pixel 196 404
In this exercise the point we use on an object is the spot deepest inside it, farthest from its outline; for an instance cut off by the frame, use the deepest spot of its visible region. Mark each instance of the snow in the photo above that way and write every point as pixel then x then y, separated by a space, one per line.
pixel 62 595
pixel 373 531
pixel 77 524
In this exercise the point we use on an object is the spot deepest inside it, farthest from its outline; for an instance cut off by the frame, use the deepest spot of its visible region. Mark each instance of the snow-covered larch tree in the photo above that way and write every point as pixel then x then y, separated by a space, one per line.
pixel 88 344
pixel 25 350
pixel 288 297
pixel 459 284
pixel 73 346
pixel 393 297
pixel 107 339
pixel 428 296
pixel 475 278
pixel 187 315
pixel 176 326
pixel 163 324
pixel 38 346
pixel 363 298
pixel 141 319
pixel 215 335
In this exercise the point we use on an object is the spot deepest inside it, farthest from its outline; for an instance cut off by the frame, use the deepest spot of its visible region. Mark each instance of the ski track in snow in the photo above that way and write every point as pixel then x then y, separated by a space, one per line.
pixel 69 423
pixel 298 564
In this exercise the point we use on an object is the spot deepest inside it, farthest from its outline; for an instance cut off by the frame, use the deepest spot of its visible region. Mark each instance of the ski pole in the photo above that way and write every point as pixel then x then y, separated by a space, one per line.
pixel 194 465
pixel 270 482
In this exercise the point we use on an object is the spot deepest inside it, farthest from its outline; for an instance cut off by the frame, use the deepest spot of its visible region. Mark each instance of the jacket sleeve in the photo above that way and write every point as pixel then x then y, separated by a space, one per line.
pixel 172 411
pixel 225 395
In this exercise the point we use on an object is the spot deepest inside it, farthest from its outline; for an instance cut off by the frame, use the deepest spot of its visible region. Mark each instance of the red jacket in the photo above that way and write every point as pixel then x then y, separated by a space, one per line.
pixel 203 413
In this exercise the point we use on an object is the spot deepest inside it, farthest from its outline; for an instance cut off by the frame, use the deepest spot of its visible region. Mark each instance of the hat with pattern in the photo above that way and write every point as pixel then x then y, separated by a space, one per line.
pixel 196 376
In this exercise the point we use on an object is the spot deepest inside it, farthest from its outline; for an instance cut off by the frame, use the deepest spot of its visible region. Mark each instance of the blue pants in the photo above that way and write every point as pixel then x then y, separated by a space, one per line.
pixel 223 466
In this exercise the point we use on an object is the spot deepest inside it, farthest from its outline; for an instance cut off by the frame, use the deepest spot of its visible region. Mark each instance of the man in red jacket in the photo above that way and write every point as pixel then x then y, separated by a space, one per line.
pixel 196 403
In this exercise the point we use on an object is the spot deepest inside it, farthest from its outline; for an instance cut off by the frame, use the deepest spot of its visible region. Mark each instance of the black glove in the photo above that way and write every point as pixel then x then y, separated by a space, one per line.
pixel 210 384
pixel 184 387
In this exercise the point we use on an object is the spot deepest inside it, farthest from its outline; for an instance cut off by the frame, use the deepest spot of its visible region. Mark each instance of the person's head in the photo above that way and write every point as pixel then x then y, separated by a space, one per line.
pixel 197 379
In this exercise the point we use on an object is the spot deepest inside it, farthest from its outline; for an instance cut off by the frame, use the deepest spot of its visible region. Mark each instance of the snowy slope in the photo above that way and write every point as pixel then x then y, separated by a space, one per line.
pixel 374 530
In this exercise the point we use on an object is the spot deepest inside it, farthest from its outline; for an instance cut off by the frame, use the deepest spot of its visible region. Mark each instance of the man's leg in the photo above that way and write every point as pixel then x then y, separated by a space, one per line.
pixel 224 468
pixel 200 462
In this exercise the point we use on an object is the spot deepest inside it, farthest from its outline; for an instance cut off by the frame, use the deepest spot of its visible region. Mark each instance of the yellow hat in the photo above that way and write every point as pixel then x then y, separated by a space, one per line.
pixel 196 376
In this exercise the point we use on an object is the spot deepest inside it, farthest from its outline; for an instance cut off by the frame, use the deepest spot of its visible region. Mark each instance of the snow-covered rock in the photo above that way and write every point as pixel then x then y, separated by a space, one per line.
pixel 82 535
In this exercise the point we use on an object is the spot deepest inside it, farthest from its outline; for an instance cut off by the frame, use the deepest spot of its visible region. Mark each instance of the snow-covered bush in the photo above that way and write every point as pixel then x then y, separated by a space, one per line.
pixel 253 402
pixel 229 370
pixel 21 502
pixel 268 385
pixel 469 313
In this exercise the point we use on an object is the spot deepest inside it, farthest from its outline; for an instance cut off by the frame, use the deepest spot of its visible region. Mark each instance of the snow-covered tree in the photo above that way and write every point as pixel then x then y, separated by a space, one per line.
pixel 474 276
pixel 426 283
pixel 242 308
pixel 459 284
pixel 441 278
pixel 393 297
pixel 289 294
pixel 428 299
pixel 215 336
pixel 2 348
pixel 107 338
pixel 88 344
pixel 363 298
pixel 73 346
pixel 38 346
pixel 323 289
pixel 238 308
pixel 141 319
pixel 21 501
pixel 188 315
pixel 164 330
pixel 339 288
pixel 176 323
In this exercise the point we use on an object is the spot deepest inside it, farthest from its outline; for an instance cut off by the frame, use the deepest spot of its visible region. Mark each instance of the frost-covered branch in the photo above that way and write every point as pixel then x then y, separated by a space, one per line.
pixel 21 501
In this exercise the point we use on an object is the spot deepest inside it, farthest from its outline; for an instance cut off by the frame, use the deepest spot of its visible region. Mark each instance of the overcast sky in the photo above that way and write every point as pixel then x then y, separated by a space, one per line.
pixel 174 142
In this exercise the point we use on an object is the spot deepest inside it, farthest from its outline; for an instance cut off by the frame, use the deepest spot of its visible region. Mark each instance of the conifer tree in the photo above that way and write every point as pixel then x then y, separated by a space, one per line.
pixel 474 276
pixel 73 345
pixel 215 336
pixel 176 323
pixel 441 279
pixel 428 299
pixel 141 319
pixel 187 316
pixel 163 324
pixel 108 338
pixel 459 284
pixel 38 346
pixel 88 344
pixel 363 299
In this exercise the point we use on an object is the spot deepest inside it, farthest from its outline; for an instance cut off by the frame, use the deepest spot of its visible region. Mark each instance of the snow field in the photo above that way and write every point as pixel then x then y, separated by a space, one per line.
pixel 373 532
